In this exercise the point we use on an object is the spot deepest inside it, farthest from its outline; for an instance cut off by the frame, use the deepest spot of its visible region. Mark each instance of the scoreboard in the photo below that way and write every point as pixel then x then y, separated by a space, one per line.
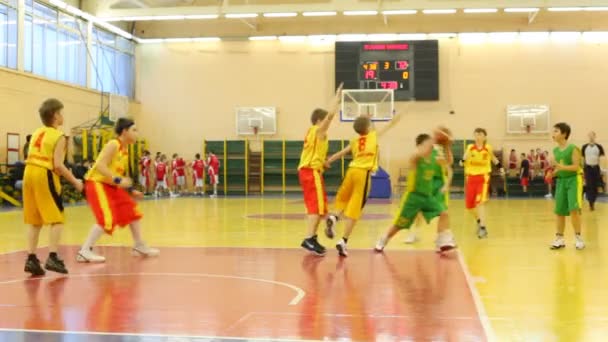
pixel 408 67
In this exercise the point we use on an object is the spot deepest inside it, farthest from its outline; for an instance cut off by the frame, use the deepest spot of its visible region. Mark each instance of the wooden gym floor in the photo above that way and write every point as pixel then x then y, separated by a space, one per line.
pixel 230 269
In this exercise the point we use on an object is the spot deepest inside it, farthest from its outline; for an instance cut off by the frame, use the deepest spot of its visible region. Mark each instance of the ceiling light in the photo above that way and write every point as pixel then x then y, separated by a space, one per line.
pixel 439 11
pixel 382 37
pixel 206 39
pixel 442 35
pixel 480 10
pixel 241 15
pixel 564 9
pixel 292 39
pixel 472 38
pixel 319 14
pixel 201 16
pixel 397 12
pixel 280 15
pixel 533 37
pixel 412 36
pixel 595 9
pixel 351 37
pixel 502 37
pixel 521 9
pixel 360 12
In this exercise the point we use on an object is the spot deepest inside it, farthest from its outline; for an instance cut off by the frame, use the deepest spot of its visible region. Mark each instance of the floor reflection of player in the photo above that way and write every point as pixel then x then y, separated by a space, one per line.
pixel 421 299
pixel 311 322
pixel 116 301
pixel 45 311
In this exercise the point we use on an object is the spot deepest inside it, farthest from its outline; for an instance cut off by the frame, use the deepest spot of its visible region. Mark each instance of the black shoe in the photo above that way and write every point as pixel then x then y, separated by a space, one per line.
pixel 318 246
pixel 330 222
pixel 56 265
pixel 312 246
pixel 32 265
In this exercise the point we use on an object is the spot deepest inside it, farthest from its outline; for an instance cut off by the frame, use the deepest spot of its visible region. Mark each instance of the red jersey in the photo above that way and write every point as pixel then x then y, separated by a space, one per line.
pixel 198 166
pixel 214 163
pixel 161 171
pixel 178 165
pixel 144 165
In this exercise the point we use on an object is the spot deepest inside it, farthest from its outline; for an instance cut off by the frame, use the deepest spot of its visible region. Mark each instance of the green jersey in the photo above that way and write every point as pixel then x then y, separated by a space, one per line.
pixel 420 180
pixel 564 157
pixel 441 172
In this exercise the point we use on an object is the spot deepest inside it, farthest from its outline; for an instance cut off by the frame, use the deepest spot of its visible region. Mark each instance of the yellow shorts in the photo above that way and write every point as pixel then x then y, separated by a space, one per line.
pixel 42 204
pixel 353 192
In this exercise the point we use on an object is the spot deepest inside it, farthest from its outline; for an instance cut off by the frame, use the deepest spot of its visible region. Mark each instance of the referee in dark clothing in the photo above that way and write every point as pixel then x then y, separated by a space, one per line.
pixel 593 176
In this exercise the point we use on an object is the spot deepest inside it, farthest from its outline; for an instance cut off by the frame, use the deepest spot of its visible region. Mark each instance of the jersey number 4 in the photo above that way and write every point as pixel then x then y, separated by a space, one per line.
pixel 38 142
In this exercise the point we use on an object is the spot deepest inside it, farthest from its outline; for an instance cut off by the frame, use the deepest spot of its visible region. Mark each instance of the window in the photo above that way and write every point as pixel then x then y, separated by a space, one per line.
pixel 112 63
pixel 8 34
pixel 55 44
pixel 56 48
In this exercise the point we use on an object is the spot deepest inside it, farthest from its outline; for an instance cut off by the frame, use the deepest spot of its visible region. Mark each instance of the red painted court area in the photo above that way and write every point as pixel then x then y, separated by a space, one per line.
pixel 247 293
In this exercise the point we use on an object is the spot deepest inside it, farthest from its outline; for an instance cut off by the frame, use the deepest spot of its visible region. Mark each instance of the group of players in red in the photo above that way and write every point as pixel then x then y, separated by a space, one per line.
pixel 156 174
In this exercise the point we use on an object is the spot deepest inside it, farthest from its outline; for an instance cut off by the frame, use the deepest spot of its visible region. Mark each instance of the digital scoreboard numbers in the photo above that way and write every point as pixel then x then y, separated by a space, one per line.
pixel 385 75
pixel 410 68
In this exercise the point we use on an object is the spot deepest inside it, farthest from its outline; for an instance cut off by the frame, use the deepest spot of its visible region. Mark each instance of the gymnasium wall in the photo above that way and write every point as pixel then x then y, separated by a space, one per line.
pixel 188 92
pixel 21 95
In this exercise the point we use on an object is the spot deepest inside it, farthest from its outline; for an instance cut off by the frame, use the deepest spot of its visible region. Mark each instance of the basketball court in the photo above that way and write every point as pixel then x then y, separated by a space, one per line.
pixel 241 277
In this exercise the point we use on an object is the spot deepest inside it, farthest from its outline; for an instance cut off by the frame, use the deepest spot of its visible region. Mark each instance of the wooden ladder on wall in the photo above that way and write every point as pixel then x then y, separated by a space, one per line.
pixel 255 173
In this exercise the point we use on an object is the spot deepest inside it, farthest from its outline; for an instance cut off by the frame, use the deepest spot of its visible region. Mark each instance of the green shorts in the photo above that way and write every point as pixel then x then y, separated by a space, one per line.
pixel 568 195
pixel 413 203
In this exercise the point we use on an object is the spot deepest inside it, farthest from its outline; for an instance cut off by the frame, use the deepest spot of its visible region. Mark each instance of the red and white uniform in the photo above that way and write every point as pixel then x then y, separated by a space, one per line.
pixel 144 171
pixel 543 160
pixel 198 166
pixel 161 175
pixel 213 168
pixel 179 173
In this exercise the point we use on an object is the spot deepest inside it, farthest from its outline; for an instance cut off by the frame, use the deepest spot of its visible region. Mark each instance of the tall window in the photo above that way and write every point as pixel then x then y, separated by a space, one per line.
pixel 55 44
pixel 56 48
pixel 8 33
pixel 112 63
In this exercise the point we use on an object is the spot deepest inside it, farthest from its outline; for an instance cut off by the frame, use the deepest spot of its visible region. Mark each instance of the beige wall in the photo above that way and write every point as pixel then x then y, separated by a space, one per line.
pixel 188 92
pixel 21 95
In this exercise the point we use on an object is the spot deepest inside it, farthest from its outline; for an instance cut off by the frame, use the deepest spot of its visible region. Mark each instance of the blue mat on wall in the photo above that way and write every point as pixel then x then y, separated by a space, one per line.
pixel 381 185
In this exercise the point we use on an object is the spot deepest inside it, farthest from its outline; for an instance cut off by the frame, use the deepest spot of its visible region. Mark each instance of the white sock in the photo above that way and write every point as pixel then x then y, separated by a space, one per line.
pixel 94 235
pixel 136 233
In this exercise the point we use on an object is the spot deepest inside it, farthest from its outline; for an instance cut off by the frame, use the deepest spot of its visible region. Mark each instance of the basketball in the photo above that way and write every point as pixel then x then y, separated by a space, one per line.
pixel 442 135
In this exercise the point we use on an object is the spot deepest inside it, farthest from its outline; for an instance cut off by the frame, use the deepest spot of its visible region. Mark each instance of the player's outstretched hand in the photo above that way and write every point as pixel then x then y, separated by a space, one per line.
pixel 327 165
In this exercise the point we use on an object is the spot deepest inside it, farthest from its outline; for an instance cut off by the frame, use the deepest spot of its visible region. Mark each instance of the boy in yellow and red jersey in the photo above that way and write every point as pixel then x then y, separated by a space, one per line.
pixel 42 203
pixel 106 190
pixel 310 172
pixel 478 159
pixel 353 191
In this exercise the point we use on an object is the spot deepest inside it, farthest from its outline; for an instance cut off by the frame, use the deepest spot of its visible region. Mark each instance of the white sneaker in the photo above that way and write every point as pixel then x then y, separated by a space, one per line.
pixel 380 245
pixel 87 255
pixel 445 242
pixel 412 237
pixel 579 244
pixel 341 247
pixel 548 196
pixel 143 250
pixel 558 243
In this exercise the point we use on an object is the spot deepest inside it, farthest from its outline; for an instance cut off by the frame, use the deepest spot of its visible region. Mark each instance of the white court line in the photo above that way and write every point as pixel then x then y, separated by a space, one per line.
pixel 481 311
pixel 98 333
pixel 327 314
pixel 299 292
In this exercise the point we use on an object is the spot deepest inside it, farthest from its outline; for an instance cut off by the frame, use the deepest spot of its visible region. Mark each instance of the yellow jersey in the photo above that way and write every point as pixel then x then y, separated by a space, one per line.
pixel 41 151
pixel 314 151
pixel 479 160
pixel 118 166
pixel 365 152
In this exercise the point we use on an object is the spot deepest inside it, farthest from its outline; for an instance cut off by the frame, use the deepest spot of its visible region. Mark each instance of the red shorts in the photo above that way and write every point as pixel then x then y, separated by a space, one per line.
pixel 111 205
pixel 525 181
pixel 313 187
pixel 476 190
